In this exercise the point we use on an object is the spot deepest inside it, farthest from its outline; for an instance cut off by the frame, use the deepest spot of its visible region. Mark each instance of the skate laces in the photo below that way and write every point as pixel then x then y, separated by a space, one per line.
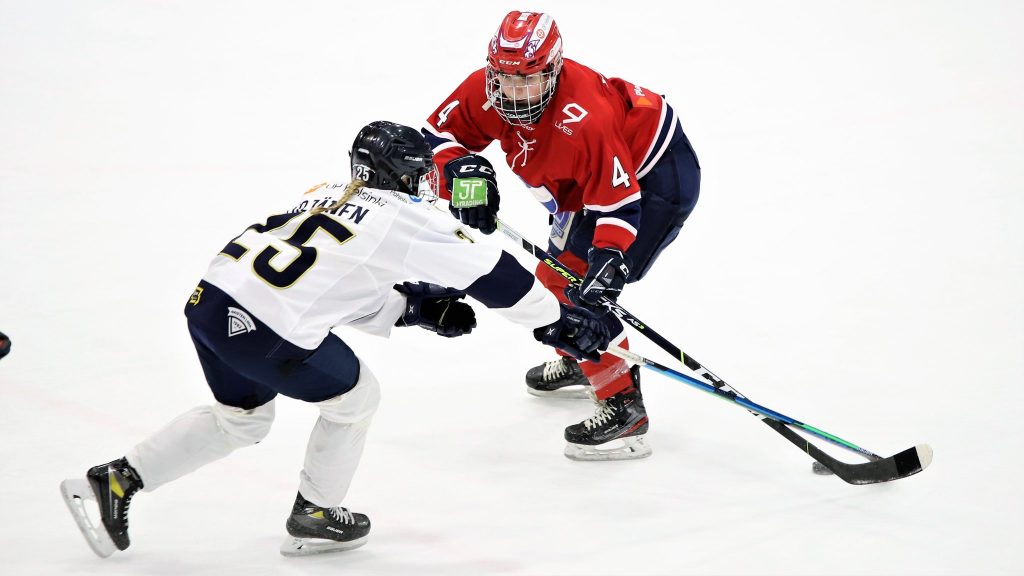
pixel 554 369
pixel 129 492
pixel 341 514
pixel 603 413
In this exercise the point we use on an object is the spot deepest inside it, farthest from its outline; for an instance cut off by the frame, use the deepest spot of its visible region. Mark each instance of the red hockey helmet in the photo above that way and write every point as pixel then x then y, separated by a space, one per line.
pixel 523 64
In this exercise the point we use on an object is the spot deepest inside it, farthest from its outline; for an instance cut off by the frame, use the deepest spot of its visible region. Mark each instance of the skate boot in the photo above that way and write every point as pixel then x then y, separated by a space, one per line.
pixel 615 431
pixel 112 486
pixel 560 378
pixel 314 529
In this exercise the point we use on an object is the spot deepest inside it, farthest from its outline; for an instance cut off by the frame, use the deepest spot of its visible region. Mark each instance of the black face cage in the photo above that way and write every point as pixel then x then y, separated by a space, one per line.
pixel 418 178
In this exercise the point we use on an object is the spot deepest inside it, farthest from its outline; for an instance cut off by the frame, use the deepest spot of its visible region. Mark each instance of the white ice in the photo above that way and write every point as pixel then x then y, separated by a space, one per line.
pixel 855 261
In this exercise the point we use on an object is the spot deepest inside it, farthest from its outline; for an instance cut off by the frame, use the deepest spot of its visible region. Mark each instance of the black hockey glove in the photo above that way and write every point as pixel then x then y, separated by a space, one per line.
pixel 607 271
pixel 577 332
pixel 470 179
pixel 5 345
pixel 436 308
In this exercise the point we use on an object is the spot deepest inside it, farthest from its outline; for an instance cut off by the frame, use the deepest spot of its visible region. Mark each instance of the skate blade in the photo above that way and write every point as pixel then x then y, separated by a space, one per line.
pixel 630 448
pixel 293 546
pixel 566 393
pixel 75 492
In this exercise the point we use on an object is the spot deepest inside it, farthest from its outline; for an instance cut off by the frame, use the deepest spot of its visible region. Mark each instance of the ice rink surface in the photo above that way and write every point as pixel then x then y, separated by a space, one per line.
pixel 855 261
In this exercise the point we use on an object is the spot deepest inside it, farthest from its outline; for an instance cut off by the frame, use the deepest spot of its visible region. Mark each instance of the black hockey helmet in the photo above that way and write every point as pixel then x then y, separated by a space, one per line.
pixel 391 156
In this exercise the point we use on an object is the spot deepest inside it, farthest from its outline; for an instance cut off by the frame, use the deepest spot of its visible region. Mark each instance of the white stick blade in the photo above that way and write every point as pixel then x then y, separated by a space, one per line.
pixel 924 455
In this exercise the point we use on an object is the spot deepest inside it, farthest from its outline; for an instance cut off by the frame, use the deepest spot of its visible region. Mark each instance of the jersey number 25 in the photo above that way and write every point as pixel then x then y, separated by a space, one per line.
pixel 290 274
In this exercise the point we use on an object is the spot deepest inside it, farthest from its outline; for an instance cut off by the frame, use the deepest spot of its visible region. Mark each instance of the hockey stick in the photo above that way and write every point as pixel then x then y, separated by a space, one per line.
pixel 714 381
pixel 879 469
pixel 906 463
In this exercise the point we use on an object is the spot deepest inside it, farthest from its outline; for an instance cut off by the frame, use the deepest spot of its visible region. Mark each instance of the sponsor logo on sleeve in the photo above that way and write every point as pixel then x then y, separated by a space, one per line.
pixel 196 295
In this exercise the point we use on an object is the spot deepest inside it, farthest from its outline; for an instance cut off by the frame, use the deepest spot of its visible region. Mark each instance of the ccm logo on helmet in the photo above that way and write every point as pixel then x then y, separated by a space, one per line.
pixel 512 62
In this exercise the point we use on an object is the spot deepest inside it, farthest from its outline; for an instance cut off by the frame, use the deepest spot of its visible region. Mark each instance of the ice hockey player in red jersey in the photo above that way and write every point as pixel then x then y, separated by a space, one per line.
pixel 609 161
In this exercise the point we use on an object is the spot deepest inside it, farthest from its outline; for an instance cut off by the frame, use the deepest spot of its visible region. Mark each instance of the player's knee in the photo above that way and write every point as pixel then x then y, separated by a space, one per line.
pixel 358 404
pixel 245 427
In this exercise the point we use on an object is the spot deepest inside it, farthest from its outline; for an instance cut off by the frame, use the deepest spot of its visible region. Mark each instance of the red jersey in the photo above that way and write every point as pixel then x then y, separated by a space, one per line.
pixel 596 138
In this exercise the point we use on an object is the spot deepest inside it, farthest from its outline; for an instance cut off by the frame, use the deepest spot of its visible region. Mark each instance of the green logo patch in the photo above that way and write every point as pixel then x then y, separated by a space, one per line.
pixel 469 192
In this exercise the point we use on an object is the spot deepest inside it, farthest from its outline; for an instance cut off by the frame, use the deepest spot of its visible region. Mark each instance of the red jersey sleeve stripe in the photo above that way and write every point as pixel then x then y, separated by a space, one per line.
pixel 613 233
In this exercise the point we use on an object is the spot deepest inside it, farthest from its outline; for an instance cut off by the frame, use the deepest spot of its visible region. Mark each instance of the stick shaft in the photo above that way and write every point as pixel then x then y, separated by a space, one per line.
pixel 711 383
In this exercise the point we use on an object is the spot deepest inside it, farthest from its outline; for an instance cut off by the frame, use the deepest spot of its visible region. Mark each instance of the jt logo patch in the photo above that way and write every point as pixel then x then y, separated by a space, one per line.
pixel 469 192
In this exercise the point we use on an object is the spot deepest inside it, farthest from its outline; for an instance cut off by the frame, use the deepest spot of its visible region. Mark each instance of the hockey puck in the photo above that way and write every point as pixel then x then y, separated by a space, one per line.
pixel 820 469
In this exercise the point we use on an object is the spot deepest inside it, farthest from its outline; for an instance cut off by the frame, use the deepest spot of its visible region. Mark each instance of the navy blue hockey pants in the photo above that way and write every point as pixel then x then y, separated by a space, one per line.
pixel 669 193
pixel 247 364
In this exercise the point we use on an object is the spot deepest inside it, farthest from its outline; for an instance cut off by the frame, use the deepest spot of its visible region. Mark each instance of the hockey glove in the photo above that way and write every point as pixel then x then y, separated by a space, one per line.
pixel 471 182
pixel 5 345
pixel 578 332
pixel 607 271
pixel 436 308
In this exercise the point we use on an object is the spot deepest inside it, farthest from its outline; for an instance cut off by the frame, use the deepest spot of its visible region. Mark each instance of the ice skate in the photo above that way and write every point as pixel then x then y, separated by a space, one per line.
pixel 314 529
pixel 112 486
pixel 615 431
pixel 560 378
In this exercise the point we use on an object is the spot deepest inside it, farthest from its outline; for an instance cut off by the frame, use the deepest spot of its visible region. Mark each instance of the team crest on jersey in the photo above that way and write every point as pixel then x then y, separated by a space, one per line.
pixel 239 322
pixel 525 147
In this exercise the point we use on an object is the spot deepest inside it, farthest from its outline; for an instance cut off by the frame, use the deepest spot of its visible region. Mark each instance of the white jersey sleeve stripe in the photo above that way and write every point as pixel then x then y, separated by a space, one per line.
pixel 616 222
pixel 613 207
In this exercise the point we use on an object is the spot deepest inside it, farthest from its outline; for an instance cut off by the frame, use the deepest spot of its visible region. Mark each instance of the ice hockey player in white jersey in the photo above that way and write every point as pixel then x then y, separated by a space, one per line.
pixel 371 255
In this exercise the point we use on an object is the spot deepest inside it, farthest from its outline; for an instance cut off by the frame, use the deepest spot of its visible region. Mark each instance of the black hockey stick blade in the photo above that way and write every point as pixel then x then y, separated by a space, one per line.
pixel 906 463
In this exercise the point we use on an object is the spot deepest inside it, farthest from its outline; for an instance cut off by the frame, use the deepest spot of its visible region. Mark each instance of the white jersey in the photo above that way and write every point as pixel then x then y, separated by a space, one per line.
pixel 303 273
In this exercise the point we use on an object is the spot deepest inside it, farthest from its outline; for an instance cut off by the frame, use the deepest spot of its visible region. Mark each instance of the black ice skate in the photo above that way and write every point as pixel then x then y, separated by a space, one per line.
pixel 314 529
pixel 112 486
pixel 560 378
pixel 615 431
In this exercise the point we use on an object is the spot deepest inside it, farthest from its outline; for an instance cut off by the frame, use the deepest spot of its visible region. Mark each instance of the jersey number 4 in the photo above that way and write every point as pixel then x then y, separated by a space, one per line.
pixel 290 274
pixel 619 176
